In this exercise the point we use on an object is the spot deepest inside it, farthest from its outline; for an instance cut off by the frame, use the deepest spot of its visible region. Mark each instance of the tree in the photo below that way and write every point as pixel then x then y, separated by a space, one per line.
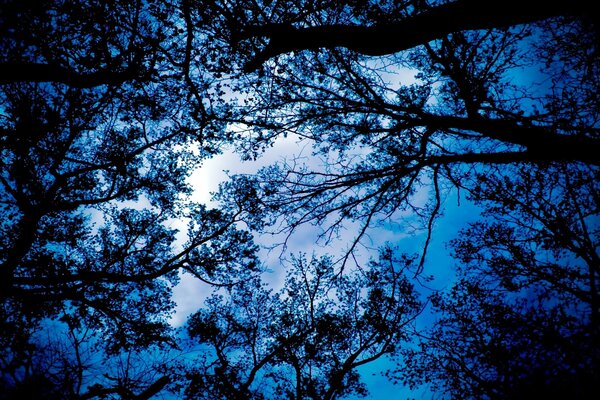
pixel 502 106
pixel 306 340
pixel 101 125
pixel 486 345
pixel 107 108
pixel 505 91
pixel 64 361
pixel 522 319
pixel 401 26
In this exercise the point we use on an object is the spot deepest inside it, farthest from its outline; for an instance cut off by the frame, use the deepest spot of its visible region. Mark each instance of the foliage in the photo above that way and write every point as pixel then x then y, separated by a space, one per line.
pixel 101 126
pixel 385 128
pixel 107 107
pixel 522 320
pixel 306 340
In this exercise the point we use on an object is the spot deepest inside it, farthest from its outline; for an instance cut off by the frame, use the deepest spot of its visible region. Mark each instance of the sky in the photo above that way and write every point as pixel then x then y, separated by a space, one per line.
pixel 189 294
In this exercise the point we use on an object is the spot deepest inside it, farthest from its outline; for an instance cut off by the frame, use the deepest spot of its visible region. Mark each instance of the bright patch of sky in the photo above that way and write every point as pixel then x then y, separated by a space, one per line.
pixel 190 294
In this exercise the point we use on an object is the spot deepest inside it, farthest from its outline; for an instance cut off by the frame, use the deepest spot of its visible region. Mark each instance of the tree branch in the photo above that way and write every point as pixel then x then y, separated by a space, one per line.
pixel 542 143
pixel 13 72
pixel 389 38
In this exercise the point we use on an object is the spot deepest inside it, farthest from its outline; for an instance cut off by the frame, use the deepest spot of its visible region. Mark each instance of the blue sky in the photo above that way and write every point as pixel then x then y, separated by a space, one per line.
pixel 190 294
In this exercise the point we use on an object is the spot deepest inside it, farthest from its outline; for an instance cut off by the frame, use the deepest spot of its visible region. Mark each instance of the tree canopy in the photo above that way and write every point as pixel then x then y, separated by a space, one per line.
pixel 107 108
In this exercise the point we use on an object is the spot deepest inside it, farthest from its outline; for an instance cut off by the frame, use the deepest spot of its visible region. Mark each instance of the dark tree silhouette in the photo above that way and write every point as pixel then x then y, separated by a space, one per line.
pixel 306 340
pixel 414 23
pixel 107 107
pixel 522 320
pixel 517 92
pixel 64 363
pixel 503 108
pixel 99 118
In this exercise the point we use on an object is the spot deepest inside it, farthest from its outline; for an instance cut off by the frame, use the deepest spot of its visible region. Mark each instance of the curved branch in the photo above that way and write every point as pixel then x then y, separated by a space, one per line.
pixel 434 23
pixel 13 72
pixel 541 143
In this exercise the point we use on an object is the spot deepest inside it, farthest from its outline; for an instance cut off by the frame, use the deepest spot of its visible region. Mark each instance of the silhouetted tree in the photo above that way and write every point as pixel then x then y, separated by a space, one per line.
pixel 106 108
pixel 522 320
pixel 65 361
pixel 380 28
pixel 306 340
pixel 507 87
pixel 105 114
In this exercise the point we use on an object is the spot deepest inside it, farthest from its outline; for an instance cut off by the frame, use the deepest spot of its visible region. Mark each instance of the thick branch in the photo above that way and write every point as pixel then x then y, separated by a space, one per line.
pixel 102 392
pixel 541 143
pixel 153 388
pixel 435 23
pixel 34 72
